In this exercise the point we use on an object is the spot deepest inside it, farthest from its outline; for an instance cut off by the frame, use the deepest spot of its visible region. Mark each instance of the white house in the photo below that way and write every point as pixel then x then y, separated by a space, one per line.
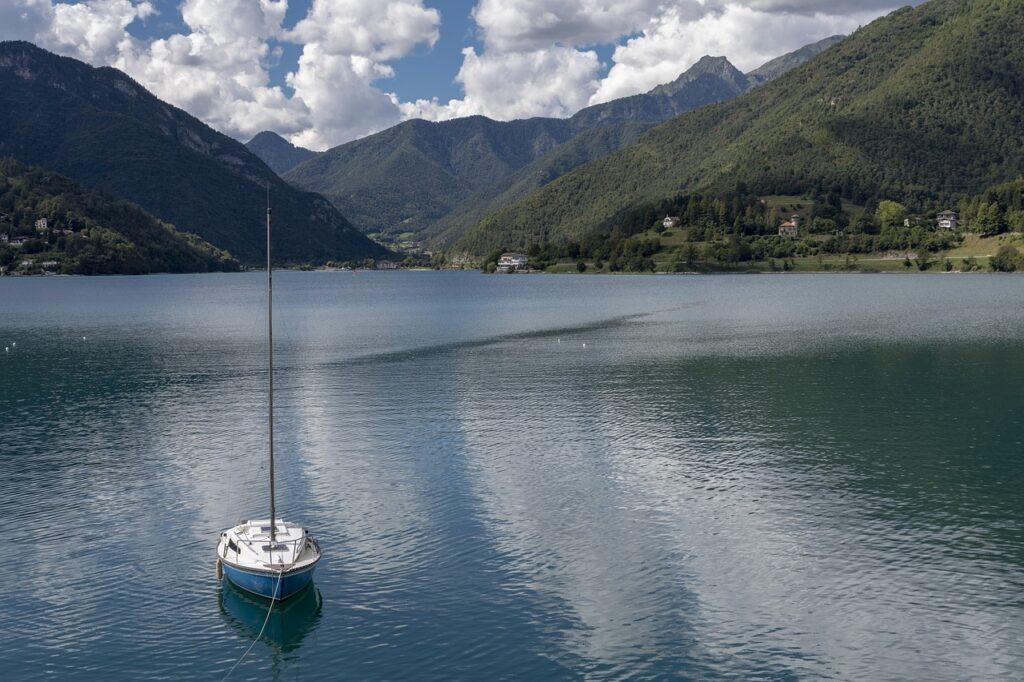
pixel 510 262
pixel 42 224
pixel 790 228
pixel 948 220
pixel 671 222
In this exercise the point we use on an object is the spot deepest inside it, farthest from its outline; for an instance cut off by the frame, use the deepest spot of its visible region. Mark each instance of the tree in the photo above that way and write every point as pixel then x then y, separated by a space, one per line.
pixel 581 266
pixel 890 214
pixel 990 220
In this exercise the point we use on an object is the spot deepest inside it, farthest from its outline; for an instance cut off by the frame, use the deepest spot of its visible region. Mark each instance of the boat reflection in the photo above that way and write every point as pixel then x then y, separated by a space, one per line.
pixel 290 622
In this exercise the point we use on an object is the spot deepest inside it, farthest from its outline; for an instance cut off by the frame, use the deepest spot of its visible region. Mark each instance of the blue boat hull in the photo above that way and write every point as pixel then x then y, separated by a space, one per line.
pixel 266 584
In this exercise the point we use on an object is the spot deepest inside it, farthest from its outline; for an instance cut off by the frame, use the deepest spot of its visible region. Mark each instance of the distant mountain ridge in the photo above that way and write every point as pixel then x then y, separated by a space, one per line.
pixel 105 131
pixel 277 152
pixel 922 106
pixel 435 180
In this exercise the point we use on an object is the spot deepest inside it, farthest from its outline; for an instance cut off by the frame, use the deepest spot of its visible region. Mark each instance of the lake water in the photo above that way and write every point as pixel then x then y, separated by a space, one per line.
pixel 774 477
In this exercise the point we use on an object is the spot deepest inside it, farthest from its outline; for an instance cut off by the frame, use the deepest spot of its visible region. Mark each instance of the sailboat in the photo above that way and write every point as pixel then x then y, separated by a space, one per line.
pixel 268 557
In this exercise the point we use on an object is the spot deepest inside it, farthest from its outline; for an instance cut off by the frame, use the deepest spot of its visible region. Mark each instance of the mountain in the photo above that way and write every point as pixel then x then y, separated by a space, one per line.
pixel 408 176
pixel 277 152
pixel 710 80
pixel 584 147
pixel 435 180
pixel 103 130
pixel 88 232
pixel 922 106
pixel 787 62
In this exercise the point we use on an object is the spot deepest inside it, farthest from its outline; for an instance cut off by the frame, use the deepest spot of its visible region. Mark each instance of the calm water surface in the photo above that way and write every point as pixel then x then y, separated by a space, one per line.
pixel 536 477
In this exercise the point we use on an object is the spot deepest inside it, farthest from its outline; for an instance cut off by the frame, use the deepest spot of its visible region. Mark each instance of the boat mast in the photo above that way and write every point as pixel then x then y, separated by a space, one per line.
pixel 270 368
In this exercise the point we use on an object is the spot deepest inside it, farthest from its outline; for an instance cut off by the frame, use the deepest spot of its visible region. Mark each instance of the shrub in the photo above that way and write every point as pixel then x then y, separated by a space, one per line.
pixel 1007 259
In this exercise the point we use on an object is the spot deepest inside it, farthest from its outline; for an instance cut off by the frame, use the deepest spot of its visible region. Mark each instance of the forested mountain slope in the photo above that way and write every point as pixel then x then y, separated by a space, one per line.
pixel 924 106
pixel 87 232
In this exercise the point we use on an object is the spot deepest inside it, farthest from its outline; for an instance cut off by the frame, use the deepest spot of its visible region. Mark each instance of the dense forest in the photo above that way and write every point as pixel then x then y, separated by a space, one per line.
pixel 49 223
pixel 923 107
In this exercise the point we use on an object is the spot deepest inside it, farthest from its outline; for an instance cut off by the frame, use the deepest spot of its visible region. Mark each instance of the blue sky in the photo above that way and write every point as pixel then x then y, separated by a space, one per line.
pixel 324 72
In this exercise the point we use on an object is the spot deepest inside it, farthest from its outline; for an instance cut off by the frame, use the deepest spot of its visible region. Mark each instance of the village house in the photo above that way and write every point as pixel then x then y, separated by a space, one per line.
pixel 4 238
pixel 671 222
pixel 790 228
pixel 42 224
pixel 49 265
pixel 27 263
pixel 948 220
pixel 510 262
pixel 386 265
pixel 19 241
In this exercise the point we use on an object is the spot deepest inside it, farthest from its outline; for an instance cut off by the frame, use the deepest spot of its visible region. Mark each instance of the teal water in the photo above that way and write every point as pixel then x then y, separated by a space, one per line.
pixel 788 477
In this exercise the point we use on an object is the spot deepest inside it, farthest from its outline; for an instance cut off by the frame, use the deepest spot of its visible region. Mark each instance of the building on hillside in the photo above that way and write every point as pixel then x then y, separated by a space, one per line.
pixel 49 265
pixel 4 238
pixel 790 228
pixel 671 222
pixel 948 220
pixel 19 241
pixel 42 225
pixel 510 262
pixel 27 263
pixel 386 265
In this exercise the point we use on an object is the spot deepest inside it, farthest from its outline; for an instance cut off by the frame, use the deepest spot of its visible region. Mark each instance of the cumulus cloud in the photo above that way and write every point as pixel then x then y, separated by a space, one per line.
pixel 346 44
pixel 508 85
pixel 535 57
pixel 532 24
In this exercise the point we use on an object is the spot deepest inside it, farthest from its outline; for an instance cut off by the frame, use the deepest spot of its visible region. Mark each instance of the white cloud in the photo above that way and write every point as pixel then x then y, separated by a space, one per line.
pixel 509 25
pixel 506 85
pixel 343 104
pixel 346 46
pixel 381 29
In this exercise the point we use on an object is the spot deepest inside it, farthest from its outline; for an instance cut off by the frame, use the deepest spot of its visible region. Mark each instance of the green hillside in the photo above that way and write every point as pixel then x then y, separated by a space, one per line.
pixel 100 128
pixel 87 232
pixel 587 146
pixel 923 106
pixel 435 180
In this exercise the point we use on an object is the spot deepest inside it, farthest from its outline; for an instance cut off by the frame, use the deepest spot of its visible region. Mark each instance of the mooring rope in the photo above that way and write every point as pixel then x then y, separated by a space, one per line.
pixel 265 621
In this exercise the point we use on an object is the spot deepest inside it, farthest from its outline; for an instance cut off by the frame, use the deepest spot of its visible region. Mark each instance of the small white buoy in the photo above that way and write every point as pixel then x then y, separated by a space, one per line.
pixel 584 345
pixel 559 340
pixel 83 338
pixel 7 349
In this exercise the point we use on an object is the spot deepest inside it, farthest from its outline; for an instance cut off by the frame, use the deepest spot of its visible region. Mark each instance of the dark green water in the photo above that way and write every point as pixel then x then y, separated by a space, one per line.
pixel 535 477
